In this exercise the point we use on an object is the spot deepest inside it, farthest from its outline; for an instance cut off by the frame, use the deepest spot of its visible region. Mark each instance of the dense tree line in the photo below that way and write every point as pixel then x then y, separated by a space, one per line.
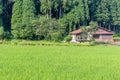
pixel 1 10
pixel 54 19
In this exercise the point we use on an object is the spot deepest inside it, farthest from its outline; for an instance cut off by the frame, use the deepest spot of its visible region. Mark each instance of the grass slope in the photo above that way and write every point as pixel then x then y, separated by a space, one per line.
pixel 59 63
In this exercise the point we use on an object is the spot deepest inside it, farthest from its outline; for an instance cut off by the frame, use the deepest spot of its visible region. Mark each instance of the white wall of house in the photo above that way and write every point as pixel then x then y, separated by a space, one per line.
pixel 89 36
pixel 73 38
pixel 77 38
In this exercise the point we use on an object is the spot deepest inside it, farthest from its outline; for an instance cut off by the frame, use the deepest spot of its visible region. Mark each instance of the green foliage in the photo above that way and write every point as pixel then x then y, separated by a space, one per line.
pixel 1 22
pixel 102 13
pixel 17 19
pixel 116 35
pixel 1 33
pixel 68 38
pixel 28 11
pixel 4 34
pixel 70 14
pixel 28 14
pixel 26 31
pixel 115 9
pixel 7 35
pixel 48 29
pixel 93 25
pixel 23 14
pixel 60 62
pixel 1 6
pixel 1 11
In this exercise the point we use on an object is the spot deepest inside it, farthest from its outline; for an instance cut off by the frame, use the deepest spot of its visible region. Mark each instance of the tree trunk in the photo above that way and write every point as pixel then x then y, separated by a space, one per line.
pixel 47 14
pixel 113 28
pixel 1 21
pixel 50 13
pixel 60 11
pixel 109 27
pixel 99 23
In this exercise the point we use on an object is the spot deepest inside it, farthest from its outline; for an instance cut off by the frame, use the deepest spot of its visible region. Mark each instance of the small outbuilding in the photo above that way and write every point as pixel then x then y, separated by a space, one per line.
pixel 100 35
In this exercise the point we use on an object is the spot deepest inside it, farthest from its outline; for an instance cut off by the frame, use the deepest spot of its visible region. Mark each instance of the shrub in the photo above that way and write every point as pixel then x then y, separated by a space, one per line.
pixel 1 33
pixel 68 38
pixel 56 36
pixel 116 35
pixel 7 35
pixel 47 29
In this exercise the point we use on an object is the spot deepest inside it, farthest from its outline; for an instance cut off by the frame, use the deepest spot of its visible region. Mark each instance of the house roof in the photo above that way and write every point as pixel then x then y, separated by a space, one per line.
pixel 100 30
pixel 76 31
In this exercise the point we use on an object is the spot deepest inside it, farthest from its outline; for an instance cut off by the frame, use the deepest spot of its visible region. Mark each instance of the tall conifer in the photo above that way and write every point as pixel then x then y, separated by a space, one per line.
pixel 16 21
pixel 1 10
pixel 28 15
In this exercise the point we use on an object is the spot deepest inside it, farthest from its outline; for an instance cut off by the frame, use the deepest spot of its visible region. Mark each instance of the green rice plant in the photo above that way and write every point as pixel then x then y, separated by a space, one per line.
pixel 20 62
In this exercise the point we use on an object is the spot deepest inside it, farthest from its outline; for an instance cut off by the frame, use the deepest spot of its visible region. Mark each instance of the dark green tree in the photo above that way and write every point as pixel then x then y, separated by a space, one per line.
pixel 16 21
pixel 28 11
pixel 86 12
pixel 48 29
pixel 102 13
pixel 28 14
pixel 1 10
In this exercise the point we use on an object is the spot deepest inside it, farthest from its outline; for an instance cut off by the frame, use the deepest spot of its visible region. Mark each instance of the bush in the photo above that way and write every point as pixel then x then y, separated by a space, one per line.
pixel 47 29
pixel 56 36
pixel 7 35
pixel 1 33
pixel 68 38
pixel 116 35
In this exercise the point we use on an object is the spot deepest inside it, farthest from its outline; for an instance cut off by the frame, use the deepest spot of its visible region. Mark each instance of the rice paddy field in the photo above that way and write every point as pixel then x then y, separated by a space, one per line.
pixel 59 62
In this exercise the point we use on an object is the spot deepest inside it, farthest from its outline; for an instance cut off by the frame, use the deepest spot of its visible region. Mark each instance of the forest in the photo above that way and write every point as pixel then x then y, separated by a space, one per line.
pixel 54 19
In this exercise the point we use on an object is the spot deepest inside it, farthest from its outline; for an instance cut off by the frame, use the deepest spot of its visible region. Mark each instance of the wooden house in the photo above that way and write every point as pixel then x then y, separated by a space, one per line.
pixel 100 35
